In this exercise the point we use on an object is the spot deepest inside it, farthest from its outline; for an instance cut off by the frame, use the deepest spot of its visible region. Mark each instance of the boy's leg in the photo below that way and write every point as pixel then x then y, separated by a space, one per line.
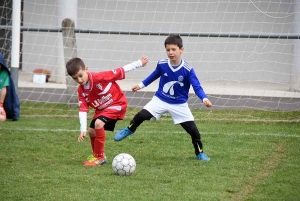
pixel 138 119
pixel 134 124
pixel 99 144
pixel 92 140
pixel 92 134
pixel 153 109
pixel 191 128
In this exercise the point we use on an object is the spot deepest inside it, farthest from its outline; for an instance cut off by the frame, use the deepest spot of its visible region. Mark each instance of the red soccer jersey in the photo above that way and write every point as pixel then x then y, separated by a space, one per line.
pixel 103 94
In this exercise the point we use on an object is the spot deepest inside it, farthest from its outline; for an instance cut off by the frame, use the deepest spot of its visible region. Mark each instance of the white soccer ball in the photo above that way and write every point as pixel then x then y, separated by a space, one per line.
pixel 123 164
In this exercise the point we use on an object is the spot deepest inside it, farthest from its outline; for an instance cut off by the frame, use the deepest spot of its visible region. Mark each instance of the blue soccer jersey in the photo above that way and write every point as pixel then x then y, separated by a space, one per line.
pixel 175 82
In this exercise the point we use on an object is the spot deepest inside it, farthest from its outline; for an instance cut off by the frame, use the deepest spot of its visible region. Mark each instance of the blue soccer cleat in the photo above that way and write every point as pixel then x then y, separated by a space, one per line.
pixel 122 134
pixel 202 156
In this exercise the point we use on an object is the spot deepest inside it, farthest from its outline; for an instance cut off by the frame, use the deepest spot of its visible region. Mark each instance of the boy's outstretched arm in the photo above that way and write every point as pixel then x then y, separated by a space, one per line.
pixel 136 64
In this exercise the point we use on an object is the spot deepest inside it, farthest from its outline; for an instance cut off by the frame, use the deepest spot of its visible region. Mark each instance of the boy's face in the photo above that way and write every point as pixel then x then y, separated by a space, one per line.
pixel 81 77
pixel 174 53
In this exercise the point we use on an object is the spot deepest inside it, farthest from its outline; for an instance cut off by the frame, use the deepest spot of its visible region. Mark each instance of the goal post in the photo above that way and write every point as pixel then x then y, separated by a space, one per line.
pixel 70 51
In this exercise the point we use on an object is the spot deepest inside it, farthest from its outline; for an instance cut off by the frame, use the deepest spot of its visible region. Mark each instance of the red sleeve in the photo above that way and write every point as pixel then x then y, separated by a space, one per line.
pixel 111 75
pixel 83 106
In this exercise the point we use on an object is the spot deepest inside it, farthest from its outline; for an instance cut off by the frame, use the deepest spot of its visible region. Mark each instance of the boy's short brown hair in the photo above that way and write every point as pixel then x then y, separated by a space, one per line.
pixel 74 65
pixel 174 40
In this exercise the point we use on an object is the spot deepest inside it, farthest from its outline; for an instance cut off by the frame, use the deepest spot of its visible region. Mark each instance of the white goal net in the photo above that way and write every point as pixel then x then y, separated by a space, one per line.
pixel 246 53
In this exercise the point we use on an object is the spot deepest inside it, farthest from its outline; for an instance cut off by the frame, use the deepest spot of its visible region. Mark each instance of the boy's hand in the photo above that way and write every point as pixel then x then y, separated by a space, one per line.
pixel 135 88
pixel 81 136
pixel 144 60
pixel 207 103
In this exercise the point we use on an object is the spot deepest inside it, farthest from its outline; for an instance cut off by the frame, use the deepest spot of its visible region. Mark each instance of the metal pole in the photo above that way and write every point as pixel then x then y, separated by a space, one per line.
pixel 294 84
pixel 66 9
pixel 15 50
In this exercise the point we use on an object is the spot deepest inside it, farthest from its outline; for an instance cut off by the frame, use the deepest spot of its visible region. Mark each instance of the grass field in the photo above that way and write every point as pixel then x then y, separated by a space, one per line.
pixel 250 160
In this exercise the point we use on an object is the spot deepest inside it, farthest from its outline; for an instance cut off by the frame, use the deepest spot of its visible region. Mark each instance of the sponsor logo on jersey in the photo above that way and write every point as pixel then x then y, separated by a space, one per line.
pixel 99 86
pixel 103 102
pixel 169 87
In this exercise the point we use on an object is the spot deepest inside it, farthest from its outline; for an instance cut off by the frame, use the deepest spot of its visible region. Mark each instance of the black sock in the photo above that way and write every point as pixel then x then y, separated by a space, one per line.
pixel 198 147
pixel 138 119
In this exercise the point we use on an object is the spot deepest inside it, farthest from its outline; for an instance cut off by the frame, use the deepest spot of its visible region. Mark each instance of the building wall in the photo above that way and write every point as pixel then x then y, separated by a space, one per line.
pixel 214 58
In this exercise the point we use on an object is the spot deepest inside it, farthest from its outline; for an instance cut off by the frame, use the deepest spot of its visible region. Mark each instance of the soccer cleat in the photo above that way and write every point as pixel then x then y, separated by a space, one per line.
pixel 95 161
pixel 202 156
pixel 90 158
pixel 122 134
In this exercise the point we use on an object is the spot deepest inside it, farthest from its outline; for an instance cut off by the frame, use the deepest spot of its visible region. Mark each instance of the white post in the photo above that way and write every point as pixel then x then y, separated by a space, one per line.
pixel 295 71
pixel 15 49
pixel 66 9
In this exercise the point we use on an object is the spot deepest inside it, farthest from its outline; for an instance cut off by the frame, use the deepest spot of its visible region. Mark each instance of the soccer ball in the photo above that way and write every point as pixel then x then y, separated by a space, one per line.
pixel 123 164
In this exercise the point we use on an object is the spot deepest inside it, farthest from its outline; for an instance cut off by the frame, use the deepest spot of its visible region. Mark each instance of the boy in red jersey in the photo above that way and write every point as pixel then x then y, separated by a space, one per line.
pixel 100 91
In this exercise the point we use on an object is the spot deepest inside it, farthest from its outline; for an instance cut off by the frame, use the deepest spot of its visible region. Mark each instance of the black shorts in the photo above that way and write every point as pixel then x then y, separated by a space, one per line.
pixel 109 123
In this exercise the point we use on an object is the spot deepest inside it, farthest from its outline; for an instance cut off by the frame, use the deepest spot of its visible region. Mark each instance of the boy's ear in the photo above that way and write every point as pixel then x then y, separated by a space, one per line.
pixel 86 68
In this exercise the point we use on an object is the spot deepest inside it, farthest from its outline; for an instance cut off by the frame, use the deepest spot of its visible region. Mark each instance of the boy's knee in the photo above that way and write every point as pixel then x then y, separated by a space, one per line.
pixel 189 126
pixel 99 124
pixel 143 115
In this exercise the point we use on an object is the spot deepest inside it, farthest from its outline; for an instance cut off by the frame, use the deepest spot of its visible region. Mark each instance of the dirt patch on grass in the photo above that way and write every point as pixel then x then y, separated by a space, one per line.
pixel 267 169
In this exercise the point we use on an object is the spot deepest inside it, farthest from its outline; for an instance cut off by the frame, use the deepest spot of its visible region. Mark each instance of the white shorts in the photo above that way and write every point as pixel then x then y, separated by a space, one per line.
pixel 179 112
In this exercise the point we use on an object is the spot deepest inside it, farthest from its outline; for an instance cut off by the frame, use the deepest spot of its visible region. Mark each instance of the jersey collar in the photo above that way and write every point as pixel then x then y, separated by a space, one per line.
pixel 177 67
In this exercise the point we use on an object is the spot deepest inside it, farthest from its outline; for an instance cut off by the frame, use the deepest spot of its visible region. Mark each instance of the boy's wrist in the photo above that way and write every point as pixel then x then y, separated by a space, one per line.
pixel 141 85
pixel 140 63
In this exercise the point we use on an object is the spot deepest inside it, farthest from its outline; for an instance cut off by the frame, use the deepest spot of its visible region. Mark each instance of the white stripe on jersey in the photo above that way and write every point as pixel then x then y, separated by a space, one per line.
pixel 163 61
pixel 187 66
pixel 183 64
pixel 116 107
pixel 106 89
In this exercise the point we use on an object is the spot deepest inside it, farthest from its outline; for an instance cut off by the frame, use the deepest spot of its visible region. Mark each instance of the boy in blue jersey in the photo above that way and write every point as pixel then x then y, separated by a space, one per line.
pixel 176 77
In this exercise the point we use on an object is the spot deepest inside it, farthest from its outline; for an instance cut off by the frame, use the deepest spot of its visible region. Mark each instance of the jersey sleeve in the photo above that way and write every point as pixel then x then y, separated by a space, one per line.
pixel 111 75
pixel 196 85
pixel 83 106
pixel 152 77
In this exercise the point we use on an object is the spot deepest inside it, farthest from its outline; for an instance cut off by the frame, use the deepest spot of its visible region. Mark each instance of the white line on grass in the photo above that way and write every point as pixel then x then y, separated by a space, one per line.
pixel 175 132
pixel 234 134
pixel 39 129
pixel 196 119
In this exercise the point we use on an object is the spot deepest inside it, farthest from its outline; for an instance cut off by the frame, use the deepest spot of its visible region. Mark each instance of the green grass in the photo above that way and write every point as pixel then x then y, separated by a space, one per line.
pixel 42 160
